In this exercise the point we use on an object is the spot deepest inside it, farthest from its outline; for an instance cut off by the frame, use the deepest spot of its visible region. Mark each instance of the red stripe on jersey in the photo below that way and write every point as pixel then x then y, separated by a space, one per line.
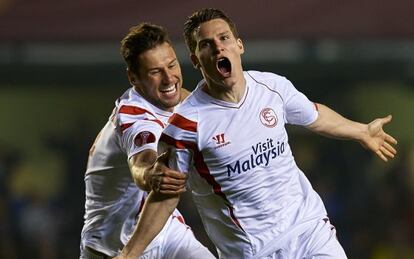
pixel 179 218
pixel 183 123
pixel 133 110
pixel 233 217
pixel 157 121
pixel 316 106
pixel 126 125
pixel 179 144
pixel 201 167
pixel 204 172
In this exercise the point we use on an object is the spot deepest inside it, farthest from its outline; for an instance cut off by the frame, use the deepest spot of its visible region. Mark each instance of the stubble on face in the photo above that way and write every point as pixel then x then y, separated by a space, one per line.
pixel 160 77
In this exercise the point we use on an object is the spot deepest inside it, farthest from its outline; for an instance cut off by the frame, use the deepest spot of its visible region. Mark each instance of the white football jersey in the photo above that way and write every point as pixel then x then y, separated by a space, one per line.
pixel 113 201
pixel 245 183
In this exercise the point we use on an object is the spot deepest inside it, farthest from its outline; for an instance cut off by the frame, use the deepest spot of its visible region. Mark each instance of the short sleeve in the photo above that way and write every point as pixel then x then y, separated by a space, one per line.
pixel 141 135
pixel 180 138
pixel 139 129
pixel 299 110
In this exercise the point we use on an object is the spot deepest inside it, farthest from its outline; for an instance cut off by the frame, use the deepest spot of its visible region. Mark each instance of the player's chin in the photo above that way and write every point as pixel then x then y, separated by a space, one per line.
pixel 171 102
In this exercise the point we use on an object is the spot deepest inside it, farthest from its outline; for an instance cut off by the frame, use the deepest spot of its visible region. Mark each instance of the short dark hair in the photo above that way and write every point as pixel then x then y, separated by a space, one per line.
pixel 202 16
pixel 139 39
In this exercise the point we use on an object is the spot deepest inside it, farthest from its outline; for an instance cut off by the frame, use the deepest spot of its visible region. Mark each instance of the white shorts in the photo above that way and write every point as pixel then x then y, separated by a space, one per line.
pixel 319 242
pixel 175 241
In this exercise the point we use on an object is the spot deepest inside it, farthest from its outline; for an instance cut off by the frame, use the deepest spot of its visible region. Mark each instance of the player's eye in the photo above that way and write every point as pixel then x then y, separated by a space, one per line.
pixel 172 65
pixel 154 72
pixel 204 44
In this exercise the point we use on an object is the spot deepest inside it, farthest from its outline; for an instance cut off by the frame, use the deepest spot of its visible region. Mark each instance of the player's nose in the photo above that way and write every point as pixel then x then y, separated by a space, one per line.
pixel 168 77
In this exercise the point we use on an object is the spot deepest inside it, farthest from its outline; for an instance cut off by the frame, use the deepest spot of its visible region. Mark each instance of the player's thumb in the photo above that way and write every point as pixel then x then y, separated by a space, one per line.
pixel 387 119
pixel 163 158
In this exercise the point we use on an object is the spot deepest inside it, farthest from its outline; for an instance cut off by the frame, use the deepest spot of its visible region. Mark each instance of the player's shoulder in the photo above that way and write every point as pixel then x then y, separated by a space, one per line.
pixel 132 98
pixel 184 118
pixel 186 109
pixel 267 80
pixel 131 107
pixel 189 106
pixel 268 77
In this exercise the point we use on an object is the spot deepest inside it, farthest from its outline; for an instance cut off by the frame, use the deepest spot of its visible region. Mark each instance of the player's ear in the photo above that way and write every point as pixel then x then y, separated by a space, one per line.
pixel 240 45
pixel 131 77
pixel 195 61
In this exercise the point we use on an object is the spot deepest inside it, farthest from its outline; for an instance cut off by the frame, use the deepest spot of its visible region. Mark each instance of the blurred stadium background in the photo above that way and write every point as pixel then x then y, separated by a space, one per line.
pixel 60 73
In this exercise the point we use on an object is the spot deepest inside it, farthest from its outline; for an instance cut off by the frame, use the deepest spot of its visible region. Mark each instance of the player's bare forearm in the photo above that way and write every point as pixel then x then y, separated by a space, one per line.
pixel 150 172
pixel 139 165
pixel 157 209
pixel 331 124
pixel 371 136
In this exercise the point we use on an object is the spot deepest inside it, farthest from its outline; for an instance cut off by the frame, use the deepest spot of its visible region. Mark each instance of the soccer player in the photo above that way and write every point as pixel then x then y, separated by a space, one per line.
pixel 229 137
pixel 124 155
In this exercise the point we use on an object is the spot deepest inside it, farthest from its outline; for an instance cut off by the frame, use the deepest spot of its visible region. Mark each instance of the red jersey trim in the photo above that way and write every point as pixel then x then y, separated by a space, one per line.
pixel 125 126
pixel 157 121
pixel 179 218
pixel 204 172
pixel 179 144
pixel 133 110
pixel 183 123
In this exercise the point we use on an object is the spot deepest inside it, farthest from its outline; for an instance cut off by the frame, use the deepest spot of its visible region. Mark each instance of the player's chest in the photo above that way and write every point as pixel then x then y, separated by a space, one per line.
pixel 254 127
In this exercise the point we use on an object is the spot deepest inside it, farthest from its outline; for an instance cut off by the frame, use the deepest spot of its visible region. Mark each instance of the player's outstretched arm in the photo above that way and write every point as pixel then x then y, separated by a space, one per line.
pixel 371 136
pixel 150 172
pixel 158 207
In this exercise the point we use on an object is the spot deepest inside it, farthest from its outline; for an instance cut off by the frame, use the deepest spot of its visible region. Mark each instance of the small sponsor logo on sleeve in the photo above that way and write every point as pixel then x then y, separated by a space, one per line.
pixel 144 137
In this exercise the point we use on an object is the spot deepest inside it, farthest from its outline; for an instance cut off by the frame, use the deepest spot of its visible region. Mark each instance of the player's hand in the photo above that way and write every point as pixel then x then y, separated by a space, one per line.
pixel 164 180
pixel 378 141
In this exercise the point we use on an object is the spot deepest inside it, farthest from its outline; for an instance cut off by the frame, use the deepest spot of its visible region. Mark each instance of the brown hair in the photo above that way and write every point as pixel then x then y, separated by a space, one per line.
pixel 202 16
pixel 139 39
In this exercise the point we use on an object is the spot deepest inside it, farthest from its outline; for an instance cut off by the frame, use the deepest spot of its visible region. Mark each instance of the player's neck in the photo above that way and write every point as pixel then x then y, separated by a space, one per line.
pixel 232 94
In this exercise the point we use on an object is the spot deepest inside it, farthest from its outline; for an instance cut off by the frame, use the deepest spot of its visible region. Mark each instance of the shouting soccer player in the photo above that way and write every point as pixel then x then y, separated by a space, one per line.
pixel 229 137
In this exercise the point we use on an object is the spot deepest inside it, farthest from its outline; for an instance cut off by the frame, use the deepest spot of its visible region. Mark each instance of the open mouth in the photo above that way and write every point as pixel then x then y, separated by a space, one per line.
pixel 169 90
pixel 224 66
